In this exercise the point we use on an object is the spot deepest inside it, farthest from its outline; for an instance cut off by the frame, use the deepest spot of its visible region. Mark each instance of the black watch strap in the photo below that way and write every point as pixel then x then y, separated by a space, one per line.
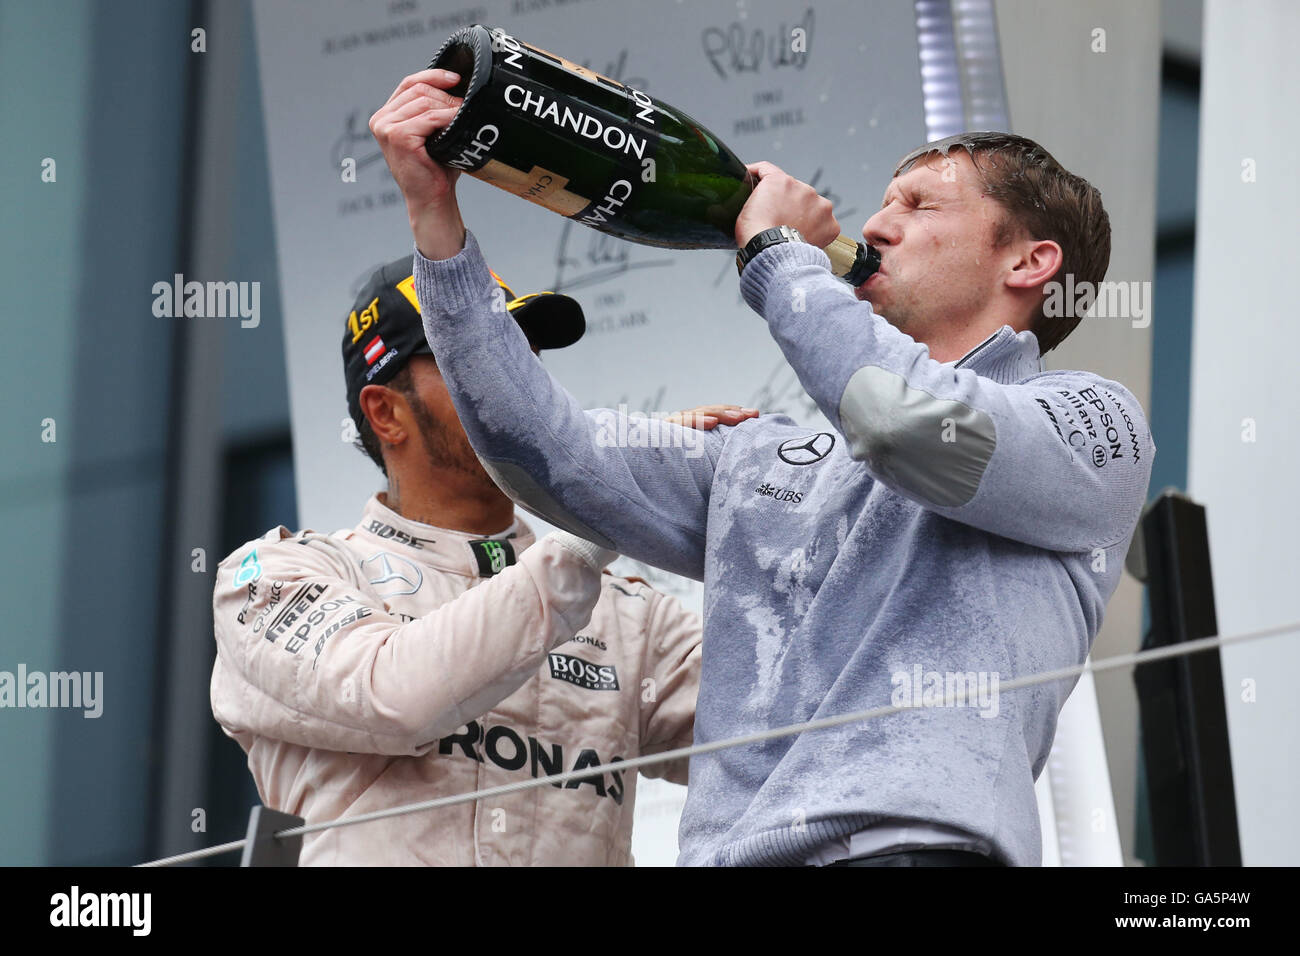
pixel 765 239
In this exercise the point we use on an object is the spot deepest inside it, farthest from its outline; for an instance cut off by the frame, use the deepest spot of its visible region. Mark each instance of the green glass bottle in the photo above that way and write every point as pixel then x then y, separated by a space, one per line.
pixel 601 153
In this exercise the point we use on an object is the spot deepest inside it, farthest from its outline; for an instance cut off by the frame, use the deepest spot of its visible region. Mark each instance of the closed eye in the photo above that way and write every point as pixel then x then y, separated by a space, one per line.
pixel 913 200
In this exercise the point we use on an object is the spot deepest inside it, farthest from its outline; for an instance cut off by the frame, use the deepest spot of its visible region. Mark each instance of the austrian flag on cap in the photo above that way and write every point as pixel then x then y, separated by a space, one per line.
pixel 374 350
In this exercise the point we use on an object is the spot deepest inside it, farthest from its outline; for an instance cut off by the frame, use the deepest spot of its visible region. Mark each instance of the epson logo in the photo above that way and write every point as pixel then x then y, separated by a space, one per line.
pixel 583 673
pixel 299 637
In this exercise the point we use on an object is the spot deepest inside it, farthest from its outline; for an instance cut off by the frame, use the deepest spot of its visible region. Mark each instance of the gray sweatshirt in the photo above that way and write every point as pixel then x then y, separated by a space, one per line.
pixel 963 524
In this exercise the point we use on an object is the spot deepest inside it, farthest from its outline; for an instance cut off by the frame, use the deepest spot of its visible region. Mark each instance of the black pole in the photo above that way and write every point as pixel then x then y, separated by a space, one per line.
pixel 1184 717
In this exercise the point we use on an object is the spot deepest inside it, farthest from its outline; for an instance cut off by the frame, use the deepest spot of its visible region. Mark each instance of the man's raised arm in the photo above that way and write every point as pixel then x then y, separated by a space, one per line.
pixel 987 453
pixel 586 472
pixel 575 469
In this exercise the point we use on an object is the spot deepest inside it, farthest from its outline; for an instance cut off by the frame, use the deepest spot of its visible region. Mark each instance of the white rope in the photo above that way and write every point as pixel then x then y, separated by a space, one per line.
pixel 1045 677
pixel 197 854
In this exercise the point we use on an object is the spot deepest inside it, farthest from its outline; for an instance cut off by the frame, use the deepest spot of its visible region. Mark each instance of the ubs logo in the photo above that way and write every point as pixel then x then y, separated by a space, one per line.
pixel 806 451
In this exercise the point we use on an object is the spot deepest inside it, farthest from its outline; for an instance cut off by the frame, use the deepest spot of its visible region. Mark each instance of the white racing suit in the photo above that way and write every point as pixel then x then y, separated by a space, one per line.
pixel 397 662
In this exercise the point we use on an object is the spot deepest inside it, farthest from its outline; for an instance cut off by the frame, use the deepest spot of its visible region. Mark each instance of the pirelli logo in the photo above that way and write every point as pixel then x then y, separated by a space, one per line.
pixel 582 673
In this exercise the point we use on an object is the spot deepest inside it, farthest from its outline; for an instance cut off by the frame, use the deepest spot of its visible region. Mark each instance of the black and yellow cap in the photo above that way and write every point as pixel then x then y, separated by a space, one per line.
pixel 384 329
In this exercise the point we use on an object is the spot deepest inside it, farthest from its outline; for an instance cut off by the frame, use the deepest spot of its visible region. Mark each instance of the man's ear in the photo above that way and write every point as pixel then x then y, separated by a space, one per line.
pixel 1039 260
pixel 387 411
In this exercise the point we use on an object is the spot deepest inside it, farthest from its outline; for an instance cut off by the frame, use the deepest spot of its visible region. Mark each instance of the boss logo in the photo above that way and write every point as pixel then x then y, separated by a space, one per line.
pixel 584 674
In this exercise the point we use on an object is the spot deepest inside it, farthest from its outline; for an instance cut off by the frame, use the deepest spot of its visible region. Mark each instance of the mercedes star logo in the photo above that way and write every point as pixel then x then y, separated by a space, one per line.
pixel 401 576
pixel 806 451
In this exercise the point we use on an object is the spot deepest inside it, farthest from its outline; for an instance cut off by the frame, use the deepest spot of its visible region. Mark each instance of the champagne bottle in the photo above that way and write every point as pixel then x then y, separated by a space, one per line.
pixel 601 153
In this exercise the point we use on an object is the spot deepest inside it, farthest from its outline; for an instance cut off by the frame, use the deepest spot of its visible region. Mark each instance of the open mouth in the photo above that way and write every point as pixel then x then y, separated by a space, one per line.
pixel 864 291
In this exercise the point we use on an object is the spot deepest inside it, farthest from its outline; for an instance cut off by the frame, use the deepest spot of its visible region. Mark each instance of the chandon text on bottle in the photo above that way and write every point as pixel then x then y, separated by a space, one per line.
pixel 601 153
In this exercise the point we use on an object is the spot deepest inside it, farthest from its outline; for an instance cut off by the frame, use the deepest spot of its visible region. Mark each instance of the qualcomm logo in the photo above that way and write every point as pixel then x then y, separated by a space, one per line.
pixel 806 451
pixel 392 574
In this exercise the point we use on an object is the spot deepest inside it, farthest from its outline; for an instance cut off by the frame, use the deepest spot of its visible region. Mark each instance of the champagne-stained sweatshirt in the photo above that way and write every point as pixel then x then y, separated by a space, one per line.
pixel 962 524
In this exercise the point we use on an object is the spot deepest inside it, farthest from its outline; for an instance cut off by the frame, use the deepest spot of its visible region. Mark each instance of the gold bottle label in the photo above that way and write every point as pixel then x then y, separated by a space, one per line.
pixel 591 76
pixel 537 185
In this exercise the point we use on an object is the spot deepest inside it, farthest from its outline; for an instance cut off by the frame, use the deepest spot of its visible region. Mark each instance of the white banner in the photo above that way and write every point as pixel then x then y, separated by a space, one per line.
pixel 666 329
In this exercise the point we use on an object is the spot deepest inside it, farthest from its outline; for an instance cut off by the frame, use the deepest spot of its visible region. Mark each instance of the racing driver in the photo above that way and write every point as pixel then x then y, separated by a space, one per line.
pixel 436 648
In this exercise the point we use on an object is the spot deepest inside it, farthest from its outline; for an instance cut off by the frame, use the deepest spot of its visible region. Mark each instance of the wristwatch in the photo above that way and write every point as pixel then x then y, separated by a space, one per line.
pixel 766 238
